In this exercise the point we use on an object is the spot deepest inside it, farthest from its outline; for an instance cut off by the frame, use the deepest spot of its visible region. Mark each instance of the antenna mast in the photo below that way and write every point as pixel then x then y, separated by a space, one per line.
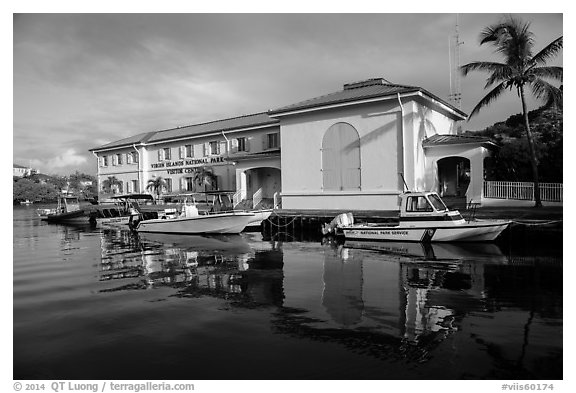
pixel 455 96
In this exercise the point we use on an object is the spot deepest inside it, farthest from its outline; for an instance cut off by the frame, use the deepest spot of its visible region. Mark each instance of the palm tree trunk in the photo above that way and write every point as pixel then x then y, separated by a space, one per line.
pixel 533 161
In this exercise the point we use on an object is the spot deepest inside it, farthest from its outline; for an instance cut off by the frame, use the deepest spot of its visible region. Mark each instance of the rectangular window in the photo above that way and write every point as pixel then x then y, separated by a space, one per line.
pixel 273 141
pixel 135 186
pixel 167 153
pixel 119 159
pixel 129 158
pixel 214 148
pixel 135 157
pixel 242 145
pixel 189 184
pixel 418 204
pixel 189 151
pixel 168 185
pixel 105 160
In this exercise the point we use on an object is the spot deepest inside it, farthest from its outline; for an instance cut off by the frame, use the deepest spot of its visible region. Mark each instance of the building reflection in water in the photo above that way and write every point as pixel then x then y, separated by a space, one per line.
pixel 392 300
pixel 342 295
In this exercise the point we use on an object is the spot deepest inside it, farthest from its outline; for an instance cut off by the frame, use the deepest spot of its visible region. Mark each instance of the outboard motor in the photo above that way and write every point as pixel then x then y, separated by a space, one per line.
pixel 341 220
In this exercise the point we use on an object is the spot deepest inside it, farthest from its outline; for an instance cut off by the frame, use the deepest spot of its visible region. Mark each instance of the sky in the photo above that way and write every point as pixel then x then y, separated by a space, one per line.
pixel 83 80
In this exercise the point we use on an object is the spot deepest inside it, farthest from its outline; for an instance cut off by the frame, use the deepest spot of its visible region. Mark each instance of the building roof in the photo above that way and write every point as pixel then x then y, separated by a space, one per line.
pixel 358 91
pixel 132 140
pixel 241 122
pixel 246 121
pixel 443 140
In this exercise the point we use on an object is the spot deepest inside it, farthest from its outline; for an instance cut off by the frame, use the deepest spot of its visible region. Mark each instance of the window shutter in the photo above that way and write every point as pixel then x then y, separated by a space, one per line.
pixel 182 151
pixel 234 145
pixel 136 155
pixel 222 147
pixel 206 149
pixel 341 158
pixel 182 184
pixel 246 144
pixel 160 155
pixel 265 142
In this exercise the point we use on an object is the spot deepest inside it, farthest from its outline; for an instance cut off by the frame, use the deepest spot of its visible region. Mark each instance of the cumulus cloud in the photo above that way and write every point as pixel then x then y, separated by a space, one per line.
pixel 67 162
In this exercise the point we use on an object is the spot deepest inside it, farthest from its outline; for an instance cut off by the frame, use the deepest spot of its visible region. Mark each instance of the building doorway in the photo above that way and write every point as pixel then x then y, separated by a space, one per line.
pixel 453 176
pixel 260 185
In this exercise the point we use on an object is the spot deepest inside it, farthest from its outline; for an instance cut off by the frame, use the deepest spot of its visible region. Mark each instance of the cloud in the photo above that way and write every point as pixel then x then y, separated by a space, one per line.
pixel 67 162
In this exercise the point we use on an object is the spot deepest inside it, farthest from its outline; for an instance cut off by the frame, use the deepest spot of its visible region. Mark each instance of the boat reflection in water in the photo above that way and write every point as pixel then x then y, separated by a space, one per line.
pixel 488 314
pixel 211 265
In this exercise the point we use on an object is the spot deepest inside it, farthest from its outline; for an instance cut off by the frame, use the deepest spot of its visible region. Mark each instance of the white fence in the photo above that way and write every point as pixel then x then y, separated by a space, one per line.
pixel 551 192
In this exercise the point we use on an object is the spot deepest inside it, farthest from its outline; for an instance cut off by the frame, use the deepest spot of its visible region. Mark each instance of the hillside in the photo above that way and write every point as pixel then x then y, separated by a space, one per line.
pixel 511 161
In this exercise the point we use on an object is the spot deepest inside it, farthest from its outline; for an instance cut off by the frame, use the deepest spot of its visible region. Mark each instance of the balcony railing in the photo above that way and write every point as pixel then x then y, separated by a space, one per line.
pixel 257 198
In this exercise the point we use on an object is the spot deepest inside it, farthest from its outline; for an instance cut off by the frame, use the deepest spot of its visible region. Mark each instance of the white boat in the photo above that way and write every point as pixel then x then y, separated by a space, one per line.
pixel 26 202
pixel 67 211
pixel 259 216
pixel 190 222
pixel 423 218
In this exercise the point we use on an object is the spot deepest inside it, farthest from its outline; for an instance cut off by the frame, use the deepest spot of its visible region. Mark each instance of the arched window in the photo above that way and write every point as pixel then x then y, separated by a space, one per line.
pixel 341 158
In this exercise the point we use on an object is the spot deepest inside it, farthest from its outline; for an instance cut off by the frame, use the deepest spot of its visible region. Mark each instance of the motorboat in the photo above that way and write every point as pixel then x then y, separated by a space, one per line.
pixel 117 213
pixel 223 200
pixel 67 211
pixel 26 202
pixel 192 221
pixel 423 218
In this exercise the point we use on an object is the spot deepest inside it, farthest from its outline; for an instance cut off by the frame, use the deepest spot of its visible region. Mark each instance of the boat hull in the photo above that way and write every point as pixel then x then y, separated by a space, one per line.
pixel 75 217
pixel 259 216
pixel 468 232
pixel 201 224
pixel 121 222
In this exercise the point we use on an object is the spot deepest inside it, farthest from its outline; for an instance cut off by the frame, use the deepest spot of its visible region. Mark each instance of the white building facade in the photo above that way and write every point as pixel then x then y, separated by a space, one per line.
pixel 240 154
pixel 355 149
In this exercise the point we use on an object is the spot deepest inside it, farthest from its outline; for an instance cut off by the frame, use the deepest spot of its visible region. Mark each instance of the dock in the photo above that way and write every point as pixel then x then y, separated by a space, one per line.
pixel 529 223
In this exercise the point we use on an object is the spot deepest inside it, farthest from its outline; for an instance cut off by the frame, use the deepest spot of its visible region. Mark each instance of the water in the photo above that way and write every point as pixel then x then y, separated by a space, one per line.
pixel 108 304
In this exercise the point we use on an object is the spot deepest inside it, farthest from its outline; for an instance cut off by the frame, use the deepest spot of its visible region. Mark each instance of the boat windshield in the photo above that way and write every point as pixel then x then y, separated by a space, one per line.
pixel 437 202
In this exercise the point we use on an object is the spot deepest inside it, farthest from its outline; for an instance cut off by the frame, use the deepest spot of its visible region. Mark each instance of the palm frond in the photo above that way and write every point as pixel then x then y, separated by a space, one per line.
pixel 550 51
pixel 502 75
pixel 512 38
pixel 489 98
pixel 551 72
pixel 550 94
pixel 486 66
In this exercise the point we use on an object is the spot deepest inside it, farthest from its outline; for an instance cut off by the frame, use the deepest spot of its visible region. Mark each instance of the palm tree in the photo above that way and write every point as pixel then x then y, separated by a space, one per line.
pixel 205 177
pixel 109 183
pixel 156 185
pixel 520 70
